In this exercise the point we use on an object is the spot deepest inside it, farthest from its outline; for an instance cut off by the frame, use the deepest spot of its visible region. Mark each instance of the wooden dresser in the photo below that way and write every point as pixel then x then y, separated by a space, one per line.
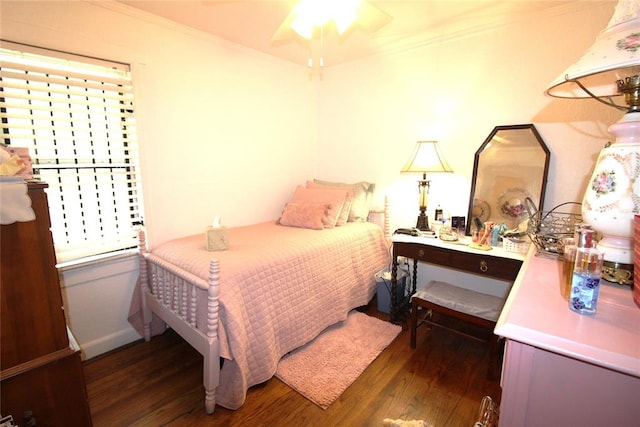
pixel 40 363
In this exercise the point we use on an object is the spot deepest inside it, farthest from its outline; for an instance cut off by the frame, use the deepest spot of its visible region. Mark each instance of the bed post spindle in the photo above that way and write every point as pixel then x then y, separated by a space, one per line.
pixel 387 231
pixel 176 296
pixel 212 359
pixel 159 280
pixel 184 297
pixel 193 304
pixel 212 299
pixel 144 285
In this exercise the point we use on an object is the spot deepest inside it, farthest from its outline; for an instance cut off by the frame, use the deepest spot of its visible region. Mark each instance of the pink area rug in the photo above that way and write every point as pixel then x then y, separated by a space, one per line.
pixel 323 369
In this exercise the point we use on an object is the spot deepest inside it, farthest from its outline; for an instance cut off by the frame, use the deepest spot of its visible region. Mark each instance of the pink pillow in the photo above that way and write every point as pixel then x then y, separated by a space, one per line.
pixel 304 215
pixel 335 198
pixel 343 216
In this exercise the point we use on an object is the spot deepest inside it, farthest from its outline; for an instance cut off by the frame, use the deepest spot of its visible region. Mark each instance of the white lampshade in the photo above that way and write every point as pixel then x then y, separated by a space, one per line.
pixel 426 157
pixel 614 56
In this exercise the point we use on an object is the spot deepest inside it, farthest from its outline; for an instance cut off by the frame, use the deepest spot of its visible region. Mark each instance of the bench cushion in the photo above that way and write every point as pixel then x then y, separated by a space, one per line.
pixel 463 300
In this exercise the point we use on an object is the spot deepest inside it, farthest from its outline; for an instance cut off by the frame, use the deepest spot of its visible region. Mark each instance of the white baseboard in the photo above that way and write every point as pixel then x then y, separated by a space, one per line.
pixel 109 342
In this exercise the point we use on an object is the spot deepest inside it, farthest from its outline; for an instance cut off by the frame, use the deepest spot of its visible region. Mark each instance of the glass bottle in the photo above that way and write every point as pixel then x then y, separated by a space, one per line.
pixel 587 272
pixel 438 216
pixel 584 235
pixel 568 262
pixel 580 239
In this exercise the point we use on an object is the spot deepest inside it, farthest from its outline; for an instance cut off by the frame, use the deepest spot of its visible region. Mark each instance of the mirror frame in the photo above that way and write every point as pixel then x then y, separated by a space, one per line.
pixel 543 185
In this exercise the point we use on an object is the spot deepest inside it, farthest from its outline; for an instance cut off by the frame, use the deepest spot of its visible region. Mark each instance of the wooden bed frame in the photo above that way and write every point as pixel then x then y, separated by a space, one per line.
pixel 176 305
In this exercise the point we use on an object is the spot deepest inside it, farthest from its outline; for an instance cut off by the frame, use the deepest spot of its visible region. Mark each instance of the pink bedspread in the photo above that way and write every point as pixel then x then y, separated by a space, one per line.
pixel 279 288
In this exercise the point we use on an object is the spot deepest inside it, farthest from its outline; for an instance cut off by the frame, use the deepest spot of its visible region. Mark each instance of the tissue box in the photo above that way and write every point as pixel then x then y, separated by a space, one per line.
pixel 216 238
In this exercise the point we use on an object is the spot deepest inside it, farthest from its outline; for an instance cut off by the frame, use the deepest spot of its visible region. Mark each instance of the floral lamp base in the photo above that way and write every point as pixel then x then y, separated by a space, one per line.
pixel 613 195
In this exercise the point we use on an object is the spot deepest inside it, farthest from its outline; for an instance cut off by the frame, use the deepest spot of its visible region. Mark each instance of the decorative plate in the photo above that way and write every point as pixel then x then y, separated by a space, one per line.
pixel 511 203
pixel 481 210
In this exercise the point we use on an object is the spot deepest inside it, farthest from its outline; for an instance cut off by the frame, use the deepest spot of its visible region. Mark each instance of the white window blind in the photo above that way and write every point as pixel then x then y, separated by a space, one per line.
pixel 75 115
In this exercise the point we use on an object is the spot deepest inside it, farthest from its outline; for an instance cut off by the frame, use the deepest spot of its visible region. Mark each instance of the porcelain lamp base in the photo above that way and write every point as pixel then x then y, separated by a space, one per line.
pixel 613 194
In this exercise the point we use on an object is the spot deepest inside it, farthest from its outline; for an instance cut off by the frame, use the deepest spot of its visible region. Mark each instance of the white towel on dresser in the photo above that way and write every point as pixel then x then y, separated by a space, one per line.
pixel 15 203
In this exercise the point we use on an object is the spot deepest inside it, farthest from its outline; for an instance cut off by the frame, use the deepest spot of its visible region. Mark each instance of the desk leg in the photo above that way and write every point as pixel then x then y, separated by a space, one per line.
pixel 394 287
pixel 415 276
pixel 395 309
pixel 414 322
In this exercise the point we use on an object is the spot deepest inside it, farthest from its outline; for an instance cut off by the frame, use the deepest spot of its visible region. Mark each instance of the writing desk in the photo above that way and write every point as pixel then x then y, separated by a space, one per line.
pixel 495 263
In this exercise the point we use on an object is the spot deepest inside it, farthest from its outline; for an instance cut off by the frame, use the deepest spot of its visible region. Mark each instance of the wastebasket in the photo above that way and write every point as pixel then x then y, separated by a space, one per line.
pixel 383 289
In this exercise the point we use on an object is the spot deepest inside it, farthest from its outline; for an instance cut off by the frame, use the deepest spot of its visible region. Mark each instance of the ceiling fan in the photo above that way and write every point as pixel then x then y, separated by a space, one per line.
pixel 309 17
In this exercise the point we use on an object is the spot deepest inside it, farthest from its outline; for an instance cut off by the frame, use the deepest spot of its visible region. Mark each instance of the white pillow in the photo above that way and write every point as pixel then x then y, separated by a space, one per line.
pixel 362 198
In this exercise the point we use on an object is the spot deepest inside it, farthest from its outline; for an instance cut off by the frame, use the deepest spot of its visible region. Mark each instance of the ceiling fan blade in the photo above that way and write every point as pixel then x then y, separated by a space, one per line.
pixel 371 18
pixel 213 2
pixel 284 31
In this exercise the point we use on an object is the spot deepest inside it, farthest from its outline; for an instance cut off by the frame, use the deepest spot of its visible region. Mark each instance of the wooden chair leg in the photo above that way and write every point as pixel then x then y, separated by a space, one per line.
pixel 414 322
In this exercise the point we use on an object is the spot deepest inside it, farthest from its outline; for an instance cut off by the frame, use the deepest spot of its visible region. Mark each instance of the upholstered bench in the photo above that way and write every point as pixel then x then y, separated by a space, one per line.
pixel 464 304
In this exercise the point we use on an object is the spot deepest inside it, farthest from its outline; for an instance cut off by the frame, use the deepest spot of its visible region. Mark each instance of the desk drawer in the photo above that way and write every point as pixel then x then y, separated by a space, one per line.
pixel 499 268
pixel 424 253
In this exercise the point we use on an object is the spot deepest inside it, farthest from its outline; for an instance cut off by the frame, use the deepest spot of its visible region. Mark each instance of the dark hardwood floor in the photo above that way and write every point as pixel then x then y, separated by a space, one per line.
pixel 159 383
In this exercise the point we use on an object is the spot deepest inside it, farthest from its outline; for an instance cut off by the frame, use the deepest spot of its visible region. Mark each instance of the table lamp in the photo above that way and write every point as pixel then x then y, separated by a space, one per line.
pixel 608 69
pixel 426 157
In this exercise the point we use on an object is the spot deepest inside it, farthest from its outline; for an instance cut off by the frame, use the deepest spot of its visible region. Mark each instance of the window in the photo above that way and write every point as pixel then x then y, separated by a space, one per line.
pixel 75 115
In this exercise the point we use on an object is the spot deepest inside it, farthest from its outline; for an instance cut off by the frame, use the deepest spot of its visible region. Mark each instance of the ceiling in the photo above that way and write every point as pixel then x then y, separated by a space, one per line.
pixel 252 23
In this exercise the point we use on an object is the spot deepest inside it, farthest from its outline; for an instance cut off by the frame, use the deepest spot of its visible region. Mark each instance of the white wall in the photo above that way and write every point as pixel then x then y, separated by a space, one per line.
pixel 97 297
pixel 223 130
pixel 456 89
pixel 228 131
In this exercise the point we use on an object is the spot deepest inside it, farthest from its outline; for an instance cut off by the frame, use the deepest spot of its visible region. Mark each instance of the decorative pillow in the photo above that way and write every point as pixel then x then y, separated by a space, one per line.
pixel 304 215
pixel 362 198
pixel 343 217
pixel 335 198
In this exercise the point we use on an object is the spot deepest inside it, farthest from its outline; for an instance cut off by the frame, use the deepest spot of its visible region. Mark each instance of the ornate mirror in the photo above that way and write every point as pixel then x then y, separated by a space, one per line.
pixel 510 165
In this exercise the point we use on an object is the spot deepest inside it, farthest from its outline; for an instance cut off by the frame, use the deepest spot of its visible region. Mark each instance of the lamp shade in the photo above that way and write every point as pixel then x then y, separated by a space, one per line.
pixel 426 157
pixel 615 55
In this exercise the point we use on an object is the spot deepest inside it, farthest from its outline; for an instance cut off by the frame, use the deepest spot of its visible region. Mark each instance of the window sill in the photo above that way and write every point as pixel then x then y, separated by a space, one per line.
pixel 96 259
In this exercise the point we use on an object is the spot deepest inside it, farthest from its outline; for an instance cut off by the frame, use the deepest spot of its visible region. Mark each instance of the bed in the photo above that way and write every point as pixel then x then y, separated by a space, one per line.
pixel 274 289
